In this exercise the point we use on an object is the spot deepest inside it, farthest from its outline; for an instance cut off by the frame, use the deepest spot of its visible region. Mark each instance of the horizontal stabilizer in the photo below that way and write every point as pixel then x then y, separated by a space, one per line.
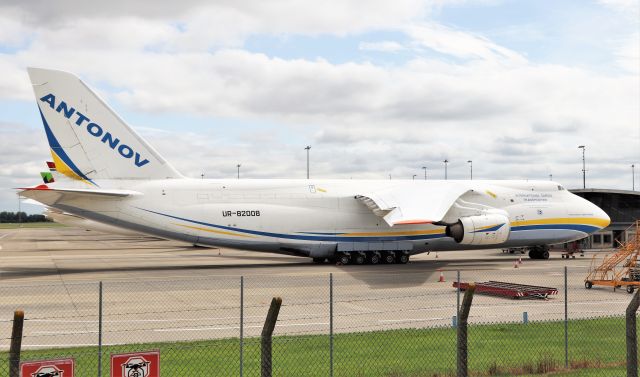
pixel 79 192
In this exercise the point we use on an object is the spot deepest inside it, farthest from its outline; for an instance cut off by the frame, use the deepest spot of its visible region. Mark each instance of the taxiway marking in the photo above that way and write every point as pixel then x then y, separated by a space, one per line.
pixel 87 332
pixel 26 346
pixel 3 236
pixel 246 327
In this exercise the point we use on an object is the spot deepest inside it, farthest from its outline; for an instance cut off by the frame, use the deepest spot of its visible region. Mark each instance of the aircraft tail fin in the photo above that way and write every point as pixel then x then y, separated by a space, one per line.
pixel 88 140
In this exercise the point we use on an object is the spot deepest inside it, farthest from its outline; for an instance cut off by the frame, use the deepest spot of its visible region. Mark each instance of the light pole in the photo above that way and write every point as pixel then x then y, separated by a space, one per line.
pixel 307 148
pixel 425 172
pixel 445 169
pixel 584 171
pixel 551 177
pixel 471 167
pixel 414 177
pixel 389 176
pixel 633 177
pixel 19 212
pixel 202 175
pixel 238 170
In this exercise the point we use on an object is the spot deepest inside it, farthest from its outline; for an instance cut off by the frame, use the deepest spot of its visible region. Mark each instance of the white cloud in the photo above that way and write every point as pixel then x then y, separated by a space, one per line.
pixel 628 54
pixel 384 46
pixel 462 44
pixel 630 7
pixel 202 23
pixel 472 99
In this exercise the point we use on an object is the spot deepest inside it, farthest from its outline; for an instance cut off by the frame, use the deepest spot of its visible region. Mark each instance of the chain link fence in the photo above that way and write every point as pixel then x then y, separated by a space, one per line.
pixel 356 323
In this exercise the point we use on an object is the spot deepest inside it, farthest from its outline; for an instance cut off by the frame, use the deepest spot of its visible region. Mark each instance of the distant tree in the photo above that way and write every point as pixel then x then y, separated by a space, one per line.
pixel 15 217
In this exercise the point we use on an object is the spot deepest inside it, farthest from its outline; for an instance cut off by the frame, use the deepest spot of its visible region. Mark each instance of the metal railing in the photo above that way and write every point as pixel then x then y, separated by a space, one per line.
pixel 356 323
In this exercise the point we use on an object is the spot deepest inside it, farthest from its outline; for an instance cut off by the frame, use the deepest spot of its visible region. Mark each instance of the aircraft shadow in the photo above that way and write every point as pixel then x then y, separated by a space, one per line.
pixel 414 274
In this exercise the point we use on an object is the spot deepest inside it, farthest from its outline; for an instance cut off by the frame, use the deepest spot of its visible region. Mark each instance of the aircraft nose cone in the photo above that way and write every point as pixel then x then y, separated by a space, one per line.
pixel 598 217
pixel 602 220
pixel 602 215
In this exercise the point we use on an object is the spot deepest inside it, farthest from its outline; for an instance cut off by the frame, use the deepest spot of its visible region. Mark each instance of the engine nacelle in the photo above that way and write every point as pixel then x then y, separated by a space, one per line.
pixel 492 229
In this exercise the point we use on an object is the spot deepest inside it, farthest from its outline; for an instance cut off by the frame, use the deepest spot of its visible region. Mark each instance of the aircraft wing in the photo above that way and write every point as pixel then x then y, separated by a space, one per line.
pixel 410 203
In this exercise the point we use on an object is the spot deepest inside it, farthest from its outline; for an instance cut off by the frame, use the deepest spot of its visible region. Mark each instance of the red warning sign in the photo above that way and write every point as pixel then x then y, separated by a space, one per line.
pixel 47 368
pixel 139 364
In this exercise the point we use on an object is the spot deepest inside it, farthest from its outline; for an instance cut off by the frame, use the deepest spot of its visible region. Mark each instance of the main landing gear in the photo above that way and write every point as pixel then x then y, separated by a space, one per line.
pixel 539 252
pixel 371 257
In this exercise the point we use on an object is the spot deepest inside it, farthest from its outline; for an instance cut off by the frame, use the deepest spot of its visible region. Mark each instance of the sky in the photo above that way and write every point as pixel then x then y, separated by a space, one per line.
pixel 378 89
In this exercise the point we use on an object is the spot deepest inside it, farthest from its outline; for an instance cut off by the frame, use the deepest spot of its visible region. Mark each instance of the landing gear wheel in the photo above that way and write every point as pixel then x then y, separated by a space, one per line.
pixel 359 259
pixel 342 259
pixel 389 258
pixel 403 258
pixel 630 289
pixel 318 260
pixel 534 254
pixel 588 284
pixel 374 258
pixel 544 254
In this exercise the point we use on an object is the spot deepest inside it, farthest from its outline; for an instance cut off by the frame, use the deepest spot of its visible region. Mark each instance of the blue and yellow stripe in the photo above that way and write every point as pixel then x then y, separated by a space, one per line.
pixel 583 224
pixel 63 163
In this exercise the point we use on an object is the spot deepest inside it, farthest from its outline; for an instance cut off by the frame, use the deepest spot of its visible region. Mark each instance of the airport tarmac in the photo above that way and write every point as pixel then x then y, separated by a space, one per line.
pixel 69 254
pixel 158 290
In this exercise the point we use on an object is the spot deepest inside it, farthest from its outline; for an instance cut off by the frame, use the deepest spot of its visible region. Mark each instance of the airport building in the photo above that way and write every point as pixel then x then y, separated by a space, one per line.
pixel 622 206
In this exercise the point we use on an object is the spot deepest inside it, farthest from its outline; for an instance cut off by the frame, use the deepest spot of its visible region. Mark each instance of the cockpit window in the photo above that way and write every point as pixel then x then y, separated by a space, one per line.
pixel 560 188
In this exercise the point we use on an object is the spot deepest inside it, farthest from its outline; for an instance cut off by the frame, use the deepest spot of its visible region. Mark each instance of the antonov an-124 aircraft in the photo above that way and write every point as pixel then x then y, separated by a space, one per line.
pixel 117 178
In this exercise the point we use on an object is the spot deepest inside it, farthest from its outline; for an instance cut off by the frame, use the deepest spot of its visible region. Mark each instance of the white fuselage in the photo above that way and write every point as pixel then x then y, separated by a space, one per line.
pixel 311 217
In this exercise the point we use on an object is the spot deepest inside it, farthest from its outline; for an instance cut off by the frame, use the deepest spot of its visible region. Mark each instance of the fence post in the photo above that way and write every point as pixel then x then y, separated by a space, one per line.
pixel 458 294
pixel 100 329
pixel 566 320
pixel 632 336
pixel 463 316
pixel 16 343
pixel 267 332
pixel 241 325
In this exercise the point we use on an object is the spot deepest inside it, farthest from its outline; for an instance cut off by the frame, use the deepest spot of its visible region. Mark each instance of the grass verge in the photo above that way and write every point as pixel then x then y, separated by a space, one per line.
pixel 596 348
pixel 30 225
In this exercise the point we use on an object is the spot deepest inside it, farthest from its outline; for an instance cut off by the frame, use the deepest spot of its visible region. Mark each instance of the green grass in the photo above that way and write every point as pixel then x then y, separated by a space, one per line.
pixel 597 348
pixel 30 225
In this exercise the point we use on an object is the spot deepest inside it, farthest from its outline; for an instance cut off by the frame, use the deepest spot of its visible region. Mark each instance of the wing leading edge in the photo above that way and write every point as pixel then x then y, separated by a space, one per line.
pixel 412 203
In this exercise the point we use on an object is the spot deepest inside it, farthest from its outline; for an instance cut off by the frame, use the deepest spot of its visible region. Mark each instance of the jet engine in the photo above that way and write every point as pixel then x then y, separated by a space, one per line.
pixel 490 229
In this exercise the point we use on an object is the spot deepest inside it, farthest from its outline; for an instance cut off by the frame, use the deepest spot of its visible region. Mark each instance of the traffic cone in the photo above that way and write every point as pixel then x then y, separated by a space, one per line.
pixel 515 265
pixel 436 255
pixel 441 279
pixel 520 260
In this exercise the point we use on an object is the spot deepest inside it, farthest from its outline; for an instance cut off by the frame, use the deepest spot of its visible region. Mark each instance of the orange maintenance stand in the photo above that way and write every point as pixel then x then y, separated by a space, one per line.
pixel 620 268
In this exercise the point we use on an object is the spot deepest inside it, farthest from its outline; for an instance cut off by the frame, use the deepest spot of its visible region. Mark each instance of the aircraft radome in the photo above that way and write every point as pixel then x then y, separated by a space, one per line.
pixel 117 178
